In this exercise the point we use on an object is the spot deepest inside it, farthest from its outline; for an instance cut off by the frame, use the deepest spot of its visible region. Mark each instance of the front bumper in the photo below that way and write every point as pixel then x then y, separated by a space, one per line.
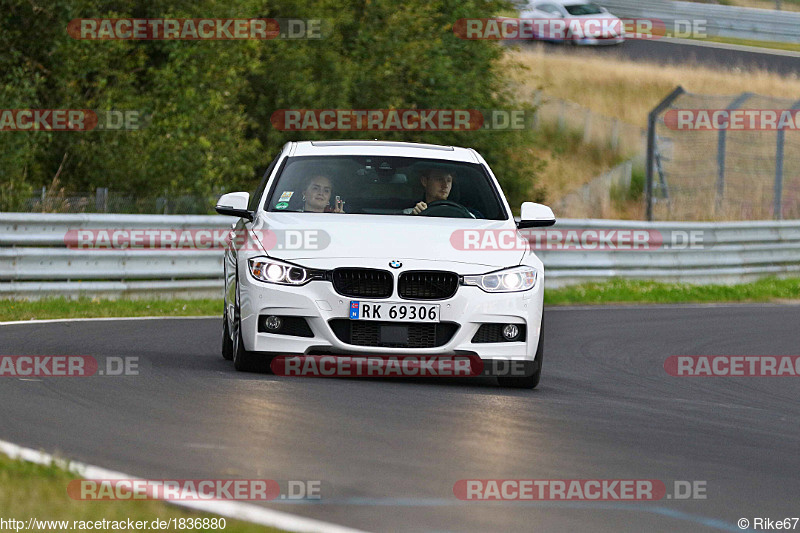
pixel 318 303
pixel 599 41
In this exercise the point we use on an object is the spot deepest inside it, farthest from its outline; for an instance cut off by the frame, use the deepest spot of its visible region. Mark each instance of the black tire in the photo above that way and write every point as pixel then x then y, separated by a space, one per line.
pixel 227 341
pixel 243 360
pixel 531 381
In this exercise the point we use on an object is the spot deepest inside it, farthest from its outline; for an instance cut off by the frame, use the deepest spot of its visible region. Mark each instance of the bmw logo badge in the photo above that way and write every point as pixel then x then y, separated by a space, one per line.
pixel 395 264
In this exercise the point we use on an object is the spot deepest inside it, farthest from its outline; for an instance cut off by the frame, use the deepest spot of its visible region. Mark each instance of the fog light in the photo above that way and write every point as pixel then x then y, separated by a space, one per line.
pixel 273 323
pixel 510 332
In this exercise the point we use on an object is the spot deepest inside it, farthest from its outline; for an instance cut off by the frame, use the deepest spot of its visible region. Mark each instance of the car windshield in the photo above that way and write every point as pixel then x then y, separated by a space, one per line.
pixel 583 9
pixel 384 185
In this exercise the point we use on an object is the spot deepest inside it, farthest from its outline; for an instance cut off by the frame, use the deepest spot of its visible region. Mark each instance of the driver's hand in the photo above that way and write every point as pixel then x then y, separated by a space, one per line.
pixel 419 208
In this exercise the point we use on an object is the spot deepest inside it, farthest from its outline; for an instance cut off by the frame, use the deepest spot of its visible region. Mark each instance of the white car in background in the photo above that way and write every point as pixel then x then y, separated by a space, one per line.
pixel 589 23
pixel 377 256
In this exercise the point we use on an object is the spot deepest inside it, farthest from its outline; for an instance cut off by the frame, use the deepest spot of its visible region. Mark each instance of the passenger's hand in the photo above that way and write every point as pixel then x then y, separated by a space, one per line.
pixel 339 206
pixel 419 208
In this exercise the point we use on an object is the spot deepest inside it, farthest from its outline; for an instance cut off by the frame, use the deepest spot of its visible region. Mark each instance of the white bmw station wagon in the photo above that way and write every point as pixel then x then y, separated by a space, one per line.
pixel 359 248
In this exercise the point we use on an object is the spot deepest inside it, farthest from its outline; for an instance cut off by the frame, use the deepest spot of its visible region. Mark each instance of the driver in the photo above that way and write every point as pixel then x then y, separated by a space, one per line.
pixel 437 183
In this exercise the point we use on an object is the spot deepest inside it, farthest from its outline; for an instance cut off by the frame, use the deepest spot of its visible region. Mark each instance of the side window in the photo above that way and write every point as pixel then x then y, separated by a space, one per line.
pixel 255 198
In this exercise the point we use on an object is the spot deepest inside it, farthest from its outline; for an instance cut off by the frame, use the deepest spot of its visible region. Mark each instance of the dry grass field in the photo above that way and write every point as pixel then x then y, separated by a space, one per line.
pixel 627 91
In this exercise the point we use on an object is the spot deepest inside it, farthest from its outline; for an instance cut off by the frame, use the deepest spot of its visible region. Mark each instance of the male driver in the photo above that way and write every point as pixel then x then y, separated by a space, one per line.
pixel 437 183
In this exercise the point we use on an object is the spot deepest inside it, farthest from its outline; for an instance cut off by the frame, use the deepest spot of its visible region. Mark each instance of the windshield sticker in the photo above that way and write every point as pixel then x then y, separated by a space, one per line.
pixel 282 205
pixel 286 196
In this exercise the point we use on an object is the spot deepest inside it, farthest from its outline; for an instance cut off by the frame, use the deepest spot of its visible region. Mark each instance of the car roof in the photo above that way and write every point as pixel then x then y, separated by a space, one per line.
pixel 383 148
pixel 562 2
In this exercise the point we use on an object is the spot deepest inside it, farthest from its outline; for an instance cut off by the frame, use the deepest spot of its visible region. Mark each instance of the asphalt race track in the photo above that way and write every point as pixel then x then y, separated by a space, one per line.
pixel 684 53
pixel 389 451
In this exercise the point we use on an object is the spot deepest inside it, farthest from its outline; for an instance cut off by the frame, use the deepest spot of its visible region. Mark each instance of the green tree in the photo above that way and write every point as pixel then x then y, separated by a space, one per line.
pixel 209 103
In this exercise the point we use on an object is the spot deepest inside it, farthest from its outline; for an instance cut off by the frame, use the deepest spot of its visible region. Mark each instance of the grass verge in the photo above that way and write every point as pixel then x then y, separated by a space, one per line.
pixel 94 308
pixel 773 45
pixel 628 291
pixel 786 5
pixel 28 490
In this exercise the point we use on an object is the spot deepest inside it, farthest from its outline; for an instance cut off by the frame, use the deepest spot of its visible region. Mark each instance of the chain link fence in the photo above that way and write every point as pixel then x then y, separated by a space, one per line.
pixel 604 196
pixel 596 128
pixel 612 193
pixel 714 157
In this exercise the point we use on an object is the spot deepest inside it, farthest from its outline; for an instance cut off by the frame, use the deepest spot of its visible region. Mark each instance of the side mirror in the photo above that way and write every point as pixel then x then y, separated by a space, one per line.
pixel 235 205
pixel 535 216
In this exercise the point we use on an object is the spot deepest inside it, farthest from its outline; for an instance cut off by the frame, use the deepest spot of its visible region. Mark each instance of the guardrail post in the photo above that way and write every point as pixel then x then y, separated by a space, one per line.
pixel 652 117
pixel 721 146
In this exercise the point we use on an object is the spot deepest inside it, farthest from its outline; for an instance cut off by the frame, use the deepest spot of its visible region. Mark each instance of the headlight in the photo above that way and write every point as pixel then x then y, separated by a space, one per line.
pixel 274 271
pixel 516 279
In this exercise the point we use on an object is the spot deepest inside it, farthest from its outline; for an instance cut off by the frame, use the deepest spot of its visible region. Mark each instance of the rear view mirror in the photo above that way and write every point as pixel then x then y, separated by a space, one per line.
pixel 235 204
pixel 534 215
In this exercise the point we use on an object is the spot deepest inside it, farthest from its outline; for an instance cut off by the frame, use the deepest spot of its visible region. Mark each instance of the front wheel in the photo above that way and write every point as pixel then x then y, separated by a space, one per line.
pixel 227 341
pixel 243 360
pixel 531 381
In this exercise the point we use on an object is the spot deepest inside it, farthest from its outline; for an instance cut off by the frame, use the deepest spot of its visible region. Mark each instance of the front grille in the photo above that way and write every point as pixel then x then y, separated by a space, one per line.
pixel 494 333
pixel 427 285
pixel 363 282
pixel 368 333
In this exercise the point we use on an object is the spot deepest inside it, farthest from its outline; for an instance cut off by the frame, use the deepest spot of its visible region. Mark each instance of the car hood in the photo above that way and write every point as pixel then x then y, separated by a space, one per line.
pixel 599 16
pixel 533 13
pixel 379 237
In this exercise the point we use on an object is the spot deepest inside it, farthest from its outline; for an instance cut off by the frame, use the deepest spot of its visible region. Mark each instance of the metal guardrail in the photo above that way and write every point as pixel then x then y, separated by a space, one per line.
pixel 720 20
pixel 34 261
pixel 730 252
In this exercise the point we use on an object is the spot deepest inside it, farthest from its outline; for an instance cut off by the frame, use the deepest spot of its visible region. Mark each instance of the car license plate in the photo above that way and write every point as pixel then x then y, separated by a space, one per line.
pixel 394 311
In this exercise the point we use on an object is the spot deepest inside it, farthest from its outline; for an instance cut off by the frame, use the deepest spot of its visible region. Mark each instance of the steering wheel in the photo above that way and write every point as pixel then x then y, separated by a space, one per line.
pixel 446 208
